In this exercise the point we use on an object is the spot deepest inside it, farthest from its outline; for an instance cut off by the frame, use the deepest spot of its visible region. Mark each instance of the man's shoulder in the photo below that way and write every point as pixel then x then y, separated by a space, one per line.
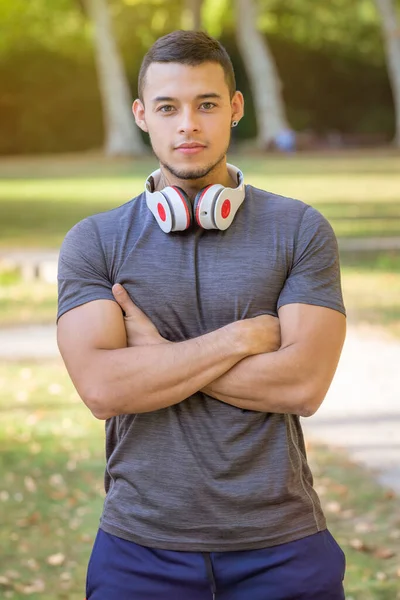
pixel 276 202
pixel 283 213
pixel 106 221
pixel 115 215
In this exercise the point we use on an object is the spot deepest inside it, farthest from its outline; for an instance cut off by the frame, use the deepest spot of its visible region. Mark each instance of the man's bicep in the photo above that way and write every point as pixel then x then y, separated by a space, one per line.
pixel 97 325
pixel 318 333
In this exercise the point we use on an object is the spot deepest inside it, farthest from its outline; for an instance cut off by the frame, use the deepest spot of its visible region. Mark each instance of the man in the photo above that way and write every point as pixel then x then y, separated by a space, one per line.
pixel 209 494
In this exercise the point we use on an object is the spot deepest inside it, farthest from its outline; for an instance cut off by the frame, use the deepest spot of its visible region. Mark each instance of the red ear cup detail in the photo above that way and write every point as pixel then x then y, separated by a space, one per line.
pixel 226 209
pixel 198 200
pixel 185 201
pixel 161 212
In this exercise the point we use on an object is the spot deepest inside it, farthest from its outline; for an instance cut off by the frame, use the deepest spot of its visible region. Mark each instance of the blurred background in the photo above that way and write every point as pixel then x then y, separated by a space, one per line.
pixel 321 82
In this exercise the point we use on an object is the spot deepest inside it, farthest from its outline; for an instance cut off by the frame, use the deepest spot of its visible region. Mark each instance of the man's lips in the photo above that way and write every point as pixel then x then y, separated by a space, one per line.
pixel 190 148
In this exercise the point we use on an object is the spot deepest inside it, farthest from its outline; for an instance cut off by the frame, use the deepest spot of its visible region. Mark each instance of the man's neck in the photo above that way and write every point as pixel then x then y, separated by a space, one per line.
pixel 193 186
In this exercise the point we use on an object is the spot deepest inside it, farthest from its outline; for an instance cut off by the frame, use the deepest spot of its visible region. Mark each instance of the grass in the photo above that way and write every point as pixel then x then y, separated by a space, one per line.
pixel 371 289
pixel 51 494
pixel 26 303
pixel 42 198
pixel 51 491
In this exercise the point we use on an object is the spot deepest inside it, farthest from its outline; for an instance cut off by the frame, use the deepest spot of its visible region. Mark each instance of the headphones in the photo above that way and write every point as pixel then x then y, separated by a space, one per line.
pixel 214 207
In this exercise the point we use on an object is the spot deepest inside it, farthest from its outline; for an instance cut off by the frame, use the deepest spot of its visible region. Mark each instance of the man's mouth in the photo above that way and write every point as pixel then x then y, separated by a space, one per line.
pixel 190 148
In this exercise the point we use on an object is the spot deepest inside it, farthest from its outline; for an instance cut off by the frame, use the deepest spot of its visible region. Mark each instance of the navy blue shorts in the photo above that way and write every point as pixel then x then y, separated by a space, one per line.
pixel 308 569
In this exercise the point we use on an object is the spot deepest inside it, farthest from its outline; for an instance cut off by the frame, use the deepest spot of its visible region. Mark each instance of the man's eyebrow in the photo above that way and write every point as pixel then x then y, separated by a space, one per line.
pixel 199 97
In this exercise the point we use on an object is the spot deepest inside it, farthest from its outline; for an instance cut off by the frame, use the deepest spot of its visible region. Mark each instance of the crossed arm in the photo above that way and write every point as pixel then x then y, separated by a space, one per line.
pixel 295 378
pixel 122 366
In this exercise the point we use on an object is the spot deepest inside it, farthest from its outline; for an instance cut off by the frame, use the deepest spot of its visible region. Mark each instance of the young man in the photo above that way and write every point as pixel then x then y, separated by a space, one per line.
pixel 209 494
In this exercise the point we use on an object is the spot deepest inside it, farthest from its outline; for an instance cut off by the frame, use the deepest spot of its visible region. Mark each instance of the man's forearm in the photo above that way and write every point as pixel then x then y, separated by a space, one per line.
pixel 279 382
pixel 147 378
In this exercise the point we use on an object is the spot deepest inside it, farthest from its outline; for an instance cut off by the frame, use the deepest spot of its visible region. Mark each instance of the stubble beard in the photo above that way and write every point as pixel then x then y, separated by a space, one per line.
pixel 186 174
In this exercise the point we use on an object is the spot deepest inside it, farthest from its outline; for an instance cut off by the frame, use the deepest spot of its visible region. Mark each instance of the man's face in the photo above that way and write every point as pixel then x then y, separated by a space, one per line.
pixel 188 112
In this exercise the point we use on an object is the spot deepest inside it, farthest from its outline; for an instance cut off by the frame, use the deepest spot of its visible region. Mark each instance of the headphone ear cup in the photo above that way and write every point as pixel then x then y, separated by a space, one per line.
pixel 204 206
pixel 182 193
pixel 196 204
pixel 181 206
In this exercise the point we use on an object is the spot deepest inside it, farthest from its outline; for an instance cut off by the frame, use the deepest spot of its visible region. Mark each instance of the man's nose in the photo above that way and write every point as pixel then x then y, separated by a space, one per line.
pixel 189 121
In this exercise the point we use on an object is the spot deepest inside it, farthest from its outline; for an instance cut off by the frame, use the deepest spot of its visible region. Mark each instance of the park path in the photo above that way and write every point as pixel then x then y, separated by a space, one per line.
pixel 361 412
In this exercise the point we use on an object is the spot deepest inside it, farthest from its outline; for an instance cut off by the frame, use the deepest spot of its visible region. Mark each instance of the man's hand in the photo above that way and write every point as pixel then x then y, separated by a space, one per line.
pixel 140 331
pixel 259 334
pixel 263 333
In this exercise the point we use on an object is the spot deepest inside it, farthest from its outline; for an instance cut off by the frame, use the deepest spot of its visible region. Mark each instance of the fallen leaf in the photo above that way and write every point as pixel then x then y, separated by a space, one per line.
pixel 32 564
pixel 384 553
pixel 333 507
pixel 364 527
pixel 36 586
pixel 30 484
pixel 389 495
pixel 340 489
pixel 56 480
pixel 360 546
pixel 4 581
pixel 55 560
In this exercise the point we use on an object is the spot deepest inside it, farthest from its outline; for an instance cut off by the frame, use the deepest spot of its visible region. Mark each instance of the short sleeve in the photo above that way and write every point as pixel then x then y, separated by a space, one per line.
pixel 82 269
pixel 314 277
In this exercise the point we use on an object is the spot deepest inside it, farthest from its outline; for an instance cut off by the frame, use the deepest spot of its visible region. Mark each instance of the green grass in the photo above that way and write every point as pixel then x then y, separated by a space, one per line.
pixel 42 198
pixel 371 289
pixel 365 519
pixel 51 494
pixel 26 303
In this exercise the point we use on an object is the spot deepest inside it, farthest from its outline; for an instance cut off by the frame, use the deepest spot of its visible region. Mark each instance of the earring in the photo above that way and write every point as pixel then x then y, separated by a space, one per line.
pixel 234 123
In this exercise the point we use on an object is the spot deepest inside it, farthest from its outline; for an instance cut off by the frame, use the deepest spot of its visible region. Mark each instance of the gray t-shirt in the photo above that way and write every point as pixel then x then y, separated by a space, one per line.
pixel 203 475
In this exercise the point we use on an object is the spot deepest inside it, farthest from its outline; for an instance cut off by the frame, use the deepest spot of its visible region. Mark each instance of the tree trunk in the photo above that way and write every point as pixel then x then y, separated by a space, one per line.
pixel 263 77
pixel 121 134
pixel 191 17
pixel 391 32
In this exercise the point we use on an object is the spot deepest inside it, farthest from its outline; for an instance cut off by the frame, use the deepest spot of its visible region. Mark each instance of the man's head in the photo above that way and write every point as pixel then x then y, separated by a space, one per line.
pixel 187 96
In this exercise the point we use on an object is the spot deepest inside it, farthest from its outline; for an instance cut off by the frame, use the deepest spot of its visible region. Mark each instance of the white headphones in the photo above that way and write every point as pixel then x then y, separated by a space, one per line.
pixel 214 207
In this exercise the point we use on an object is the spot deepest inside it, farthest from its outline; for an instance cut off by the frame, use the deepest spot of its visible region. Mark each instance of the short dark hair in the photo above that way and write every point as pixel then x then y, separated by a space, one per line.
pixel 188 48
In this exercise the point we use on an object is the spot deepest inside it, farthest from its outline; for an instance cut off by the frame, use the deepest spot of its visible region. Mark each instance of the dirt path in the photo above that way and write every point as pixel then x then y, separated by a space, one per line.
pixel 362 409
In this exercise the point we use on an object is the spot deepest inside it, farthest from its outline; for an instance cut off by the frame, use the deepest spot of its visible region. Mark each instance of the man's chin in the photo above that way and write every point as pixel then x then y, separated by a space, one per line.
pixel 191 172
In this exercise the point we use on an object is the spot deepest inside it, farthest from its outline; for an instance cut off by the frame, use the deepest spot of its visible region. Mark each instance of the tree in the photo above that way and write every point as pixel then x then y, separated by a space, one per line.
pixel 263 76
pixel 192 14
pixel 121 134
pixel 391 33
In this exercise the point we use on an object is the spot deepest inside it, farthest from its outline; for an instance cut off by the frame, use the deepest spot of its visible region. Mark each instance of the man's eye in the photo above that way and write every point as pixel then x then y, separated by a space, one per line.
pixel 208 105
pixel 166 108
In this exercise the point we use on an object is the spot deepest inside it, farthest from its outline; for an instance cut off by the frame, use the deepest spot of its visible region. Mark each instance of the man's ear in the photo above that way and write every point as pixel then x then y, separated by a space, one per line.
pixel 138 113
pixel 237 106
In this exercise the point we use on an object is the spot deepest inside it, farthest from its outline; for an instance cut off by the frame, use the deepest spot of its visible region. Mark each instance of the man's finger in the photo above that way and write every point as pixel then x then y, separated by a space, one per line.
pixel 122 297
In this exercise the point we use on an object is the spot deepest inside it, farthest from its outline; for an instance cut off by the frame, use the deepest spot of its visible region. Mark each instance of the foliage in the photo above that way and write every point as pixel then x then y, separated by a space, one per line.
pixel 345 28
pixel 331 63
